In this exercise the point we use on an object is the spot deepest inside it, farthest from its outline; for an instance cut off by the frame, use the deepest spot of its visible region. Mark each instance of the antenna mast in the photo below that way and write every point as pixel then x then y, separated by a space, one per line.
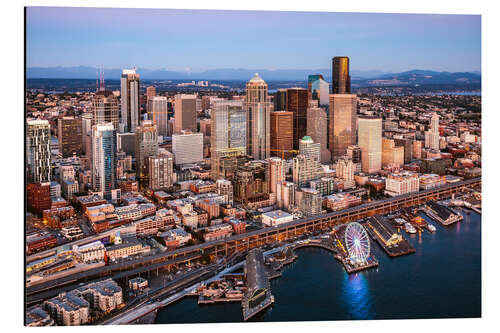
pixel 102 88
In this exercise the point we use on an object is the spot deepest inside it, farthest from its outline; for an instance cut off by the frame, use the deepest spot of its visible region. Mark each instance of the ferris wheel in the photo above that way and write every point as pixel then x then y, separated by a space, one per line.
pixel 357 242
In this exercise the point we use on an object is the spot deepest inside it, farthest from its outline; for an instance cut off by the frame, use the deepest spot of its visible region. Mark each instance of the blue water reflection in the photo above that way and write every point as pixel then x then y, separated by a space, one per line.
pixel 357 296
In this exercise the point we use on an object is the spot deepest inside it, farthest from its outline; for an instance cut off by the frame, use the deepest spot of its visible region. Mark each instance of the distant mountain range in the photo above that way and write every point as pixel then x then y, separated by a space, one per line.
pixel 358 77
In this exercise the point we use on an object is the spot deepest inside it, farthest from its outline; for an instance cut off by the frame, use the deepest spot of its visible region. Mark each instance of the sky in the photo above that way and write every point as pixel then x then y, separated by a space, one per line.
pixel 204 39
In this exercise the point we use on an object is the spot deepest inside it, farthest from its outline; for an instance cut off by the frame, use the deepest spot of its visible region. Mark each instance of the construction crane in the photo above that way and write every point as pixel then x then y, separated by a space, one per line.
pixel 283 151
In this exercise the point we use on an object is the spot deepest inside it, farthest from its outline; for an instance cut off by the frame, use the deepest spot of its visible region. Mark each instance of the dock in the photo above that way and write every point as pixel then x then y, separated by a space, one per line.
pixel 393 243
pixel 258 296
pixel 442 214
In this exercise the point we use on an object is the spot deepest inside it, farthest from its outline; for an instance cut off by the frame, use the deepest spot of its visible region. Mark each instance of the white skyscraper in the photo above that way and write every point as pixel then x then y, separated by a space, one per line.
pixel 432 136
pixel 258 108
pixel 38 151
pixel 104 158
pixel 130 112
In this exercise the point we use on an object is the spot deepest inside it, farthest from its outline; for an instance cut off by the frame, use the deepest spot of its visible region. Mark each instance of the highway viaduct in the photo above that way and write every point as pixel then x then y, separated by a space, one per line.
pixel 272 235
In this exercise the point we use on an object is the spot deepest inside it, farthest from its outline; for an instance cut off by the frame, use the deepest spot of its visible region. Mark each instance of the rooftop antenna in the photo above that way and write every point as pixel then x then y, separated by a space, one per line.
pixel 102 78
pixel 96 79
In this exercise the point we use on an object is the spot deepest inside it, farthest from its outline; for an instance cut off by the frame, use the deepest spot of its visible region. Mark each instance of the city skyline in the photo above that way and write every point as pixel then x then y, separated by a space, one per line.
pixel 190 40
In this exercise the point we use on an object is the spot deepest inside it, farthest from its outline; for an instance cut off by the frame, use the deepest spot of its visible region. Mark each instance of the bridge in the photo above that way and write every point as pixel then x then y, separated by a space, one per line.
pixel 258 238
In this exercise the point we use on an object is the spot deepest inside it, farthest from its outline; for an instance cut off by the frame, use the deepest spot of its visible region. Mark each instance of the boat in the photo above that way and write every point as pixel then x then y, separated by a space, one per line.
pixel 431 228
pixel 409 228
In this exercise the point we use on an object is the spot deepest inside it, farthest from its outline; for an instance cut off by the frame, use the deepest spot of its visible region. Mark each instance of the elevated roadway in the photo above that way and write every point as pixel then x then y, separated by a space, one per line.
pixel 272 235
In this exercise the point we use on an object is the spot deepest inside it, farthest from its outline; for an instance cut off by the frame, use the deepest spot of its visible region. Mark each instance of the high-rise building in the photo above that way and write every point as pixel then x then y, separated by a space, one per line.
pixel 309 148
pixel 38 151
pixel 228 131
pixel 285 197
pixel 341 80
pixel 104 158
pixel 417 149
pixel 225 188
pixel 86 130
pixel 318 89
pixel 342 123
pixel 146 144
pixel 297 103
pixel 105 108
pixel 354 153
pixel 276 173
pixel 150 91
pixel 69 134
pixel 38 197
pixel 432 136
pixel 317 127
pixel 158 113
pixel 306 168
pixel 370 143
pixel 281 133
pixel 130 88
pixel 311 202
pixel 187 148
pixel 344 169
pixel 161 170
pixel 185 113
pixel 258 109
pixel 251 182
pixel 391 154
pixel 280 100
pixel 126 143
pixel 407 143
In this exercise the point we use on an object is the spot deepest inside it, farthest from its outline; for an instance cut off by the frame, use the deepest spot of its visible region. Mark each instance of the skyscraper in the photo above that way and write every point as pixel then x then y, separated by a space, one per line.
pixel 276 173
pixel 305 169
pixel 391 154
pixel 342 123
pixel 370 143
pixel 105 108
pixel 104 158
pixel 432 136
pixel 158 113
pixel 309 148
pixel 344 169
pixel 297 103
pixel 258 109
pixel 281 133
pixel 150 91
pixel 69 134
pixel 38 151
pixel 341 80
pixel 185 113
pixel 280 100
pixel 318 89
pixel 407 143
pixel 86 132
pixel 187 148
pixel 146 144
pixel 160 170
pixel 130 86
pixel 228 131
pixel 317 127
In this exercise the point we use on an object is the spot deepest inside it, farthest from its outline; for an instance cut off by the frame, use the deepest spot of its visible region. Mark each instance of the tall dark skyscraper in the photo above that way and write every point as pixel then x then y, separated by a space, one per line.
pixel 341 80
pixel 296 102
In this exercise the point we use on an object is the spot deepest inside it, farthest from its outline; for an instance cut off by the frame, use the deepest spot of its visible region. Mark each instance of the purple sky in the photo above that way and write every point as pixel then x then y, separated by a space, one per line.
pixel 203 39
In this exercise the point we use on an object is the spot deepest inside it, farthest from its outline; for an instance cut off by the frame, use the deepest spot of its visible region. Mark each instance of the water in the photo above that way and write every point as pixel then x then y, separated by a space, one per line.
pixel 441 280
